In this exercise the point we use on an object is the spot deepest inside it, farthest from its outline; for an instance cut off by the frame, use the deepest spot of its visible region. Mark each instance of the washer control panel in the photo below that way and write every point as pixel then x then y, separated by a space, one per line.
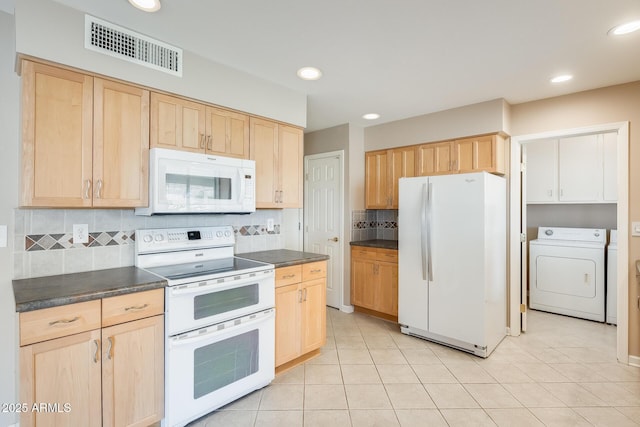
pixel 595 235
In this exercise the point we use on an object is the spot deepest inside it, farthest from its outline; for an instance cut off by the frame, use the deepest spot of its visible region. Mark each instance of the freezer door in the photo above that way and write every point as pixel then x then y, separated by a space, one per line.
pixel 457 227
pixel 413 253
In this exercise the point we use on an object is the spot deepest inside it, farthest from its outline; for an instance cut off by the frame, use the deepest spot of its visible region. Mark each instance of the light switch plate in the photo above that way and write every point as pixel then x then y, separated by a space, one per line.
pixel 635 229
pixel 3 236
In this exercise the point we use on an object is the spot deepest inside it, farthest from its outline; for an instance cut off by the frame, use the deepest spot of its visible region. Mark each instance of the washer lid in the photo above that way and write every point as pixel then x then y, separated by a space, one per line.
pixel 594 236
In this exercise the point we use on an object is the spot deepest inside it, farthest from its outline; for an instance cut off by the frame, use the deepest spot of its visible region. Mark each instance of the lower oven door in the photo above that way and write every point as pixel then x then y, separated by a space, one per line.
pixel 208 368
pixel 195 305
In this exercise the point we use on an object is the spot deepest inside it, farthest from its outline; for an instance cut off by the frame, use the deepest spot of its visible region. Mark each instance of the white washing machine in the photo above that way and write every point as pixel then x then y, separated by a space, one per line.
pixel 567 272
pixel 612 278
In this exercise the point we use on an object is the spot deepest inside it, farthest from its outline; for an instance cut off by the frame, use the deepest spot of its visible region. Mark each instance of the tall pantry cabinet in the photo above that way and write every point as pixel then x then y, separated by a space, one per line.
pixel 85 140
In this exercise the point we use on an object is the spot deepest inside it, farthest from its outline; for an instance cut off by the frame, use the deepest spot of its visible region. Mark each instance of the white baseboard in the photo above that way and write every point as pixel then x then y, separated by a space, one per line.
pixel 346 309
pixel 634 361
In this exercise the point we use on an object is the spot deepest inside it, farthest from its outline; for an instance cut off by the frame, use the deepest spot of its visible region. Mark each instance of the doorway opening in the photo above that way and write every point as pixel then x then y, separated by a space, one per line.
pixel 520 235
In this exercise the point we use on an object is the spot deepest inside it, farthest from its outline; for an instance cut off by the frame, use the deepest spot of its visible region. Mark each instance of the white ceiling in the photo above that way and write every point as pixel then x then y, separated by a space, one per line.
pixel 400 58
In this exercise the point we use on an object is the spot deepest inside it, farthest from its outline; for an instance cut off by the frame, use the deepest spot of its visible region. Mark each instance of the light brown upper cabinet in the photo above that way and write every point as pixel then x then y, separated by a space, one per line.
pixel 482 153
pixel 278 152
pixel 181 124
pixel 383 169
pixel 85 140
pixel 435 158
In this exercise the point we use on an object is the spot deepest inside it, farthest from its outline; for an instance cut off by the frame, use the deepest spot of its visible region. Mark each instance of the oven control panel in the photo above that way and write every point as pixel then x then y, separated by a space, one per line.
pixel 166 239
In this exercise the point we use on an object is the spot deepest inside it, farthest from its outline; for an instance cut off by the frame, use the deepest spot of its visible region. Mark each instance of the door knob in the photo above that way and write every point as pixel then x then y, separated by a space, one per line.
pixel 335 239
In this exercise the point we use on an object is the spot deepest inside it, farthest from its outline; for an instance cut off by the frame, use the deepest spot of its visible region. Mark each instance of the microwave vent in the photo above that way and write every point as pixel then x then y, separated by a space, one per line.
pixel 113 40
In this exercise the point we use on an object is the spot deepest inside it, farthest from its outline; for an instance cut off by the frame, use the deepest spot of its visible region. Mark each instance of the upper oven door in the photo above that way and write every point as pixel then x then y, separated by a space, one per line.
pixel 191 182
pixel 203 303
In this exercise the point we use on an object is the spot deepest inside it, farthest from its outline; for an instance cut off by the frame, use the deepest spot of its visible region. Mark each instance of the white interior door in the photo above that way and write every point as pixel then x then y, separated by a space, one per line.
pixel 324 217
pixel 524 187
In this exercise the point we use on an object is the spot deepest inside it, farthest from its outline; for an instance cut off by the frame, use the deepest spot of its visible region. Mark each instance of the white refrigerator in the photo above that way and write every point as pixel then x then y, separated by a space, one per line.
pixel 452 260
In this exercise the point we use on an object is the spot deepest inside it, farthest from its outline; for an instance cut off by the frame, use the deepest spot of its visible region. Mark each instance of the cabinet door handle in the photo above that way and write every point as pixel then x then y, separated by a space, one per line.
pixel 136 307
pixel 288 276
pixel 112 344
pixel 202 140
pixel 96 355
pixel 305 294
pixel 99 189
pixel 299 295
pixel 87 189
pixel 317 270
pixel 63 322
pixel 209 144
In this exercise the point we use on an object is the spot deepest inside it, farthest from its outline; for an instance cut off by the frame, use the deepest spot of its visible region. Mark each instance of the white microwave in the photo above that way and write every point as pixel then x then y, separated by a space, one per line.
pixel 181 182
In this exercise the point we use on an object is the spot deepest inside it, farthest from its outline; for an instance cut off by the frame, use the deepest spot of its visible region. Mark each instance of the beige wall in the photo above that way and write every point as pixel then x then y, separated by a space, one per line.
pixel 9 128
pixel 600 106
pixel 476 119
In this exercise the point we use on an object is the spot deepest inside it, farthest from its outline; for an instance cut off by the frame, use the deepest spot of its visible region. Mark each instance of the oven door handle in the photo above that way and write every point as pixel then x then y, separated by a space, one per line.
pixel 203 337
pixel 227 284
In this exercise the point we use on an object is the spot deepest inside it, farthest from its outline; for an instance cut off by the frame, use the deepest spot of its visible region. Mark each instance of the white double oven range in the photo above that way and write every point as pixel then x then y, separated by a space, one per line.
pixel 219 318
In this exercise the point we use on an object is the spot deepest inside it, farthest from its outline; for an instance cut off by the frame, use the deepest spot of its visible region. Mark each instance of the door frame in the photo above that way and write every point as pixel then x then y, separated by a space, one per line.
pixel 516 260
pixel 346 307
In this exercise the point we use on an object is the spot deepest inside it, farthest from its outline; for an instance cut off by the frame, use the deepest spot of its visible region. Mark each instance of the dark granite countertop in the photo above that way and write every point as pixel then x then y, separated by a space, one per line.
pixel 52 291
pixel 377 243
pixel 283 257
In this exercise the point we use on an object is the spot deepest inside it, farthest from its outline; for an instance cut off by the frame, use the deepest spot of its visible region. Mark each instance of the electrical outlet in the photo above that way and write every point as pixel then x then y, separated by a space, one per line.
pixel 270 224
pixel 80 233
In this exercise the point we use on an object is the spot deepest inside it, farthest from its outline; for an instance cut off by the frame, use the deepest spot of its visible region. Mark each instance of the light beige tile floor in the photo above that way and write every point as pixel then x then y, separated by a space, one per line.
pixel 562 372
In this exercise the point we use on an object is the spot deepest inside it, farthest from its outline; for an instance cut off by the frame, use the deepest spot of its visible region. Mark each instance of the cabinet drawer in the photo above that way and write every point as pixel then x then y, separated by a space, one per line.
pixel 56 322
pixel 288 275
pixel 363 252
pixel 138 305
pixel 314 270
pixel 387 255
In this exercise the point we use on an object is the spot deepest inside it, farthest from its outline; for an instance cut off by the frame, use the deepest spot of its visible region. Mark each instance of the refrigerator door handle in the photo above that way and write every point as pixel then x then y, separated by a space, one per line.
pixel 423 230
pixel 428 215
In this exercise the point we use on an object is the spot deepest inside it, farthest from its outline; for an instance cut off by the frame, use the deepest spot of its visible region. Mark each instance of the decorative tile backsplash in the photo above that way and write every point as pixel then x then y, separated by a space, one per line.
pixel 374 224
pixel 45 242
pixel 44 237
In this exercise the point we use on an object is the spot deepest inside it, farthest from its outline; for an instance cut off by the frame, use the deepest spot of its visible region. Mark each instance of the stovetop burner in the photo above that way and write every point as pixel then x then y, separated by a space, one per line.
pixel 209 269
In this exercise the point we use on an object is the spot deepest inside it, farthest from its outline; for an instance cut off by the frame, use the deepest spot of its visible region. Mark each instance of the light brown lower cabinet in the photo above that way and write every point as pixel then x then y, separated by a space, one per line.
pixel 374 281
pixel 300 311
pixel 73 372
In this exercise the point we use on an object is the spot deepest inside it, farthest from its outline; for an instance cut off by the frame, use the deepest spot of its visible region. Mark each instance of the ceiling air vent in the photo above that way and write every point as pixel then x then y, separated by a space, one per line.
pixel 110 39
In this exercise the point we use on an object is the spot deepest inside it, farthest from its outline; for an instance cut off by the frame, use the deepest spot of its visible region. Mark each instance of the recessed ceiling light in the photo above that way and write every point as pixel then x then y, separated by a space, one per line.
pixel 146 5
pixel 309 73
pixel 371 116
pixel 562 78
pixel 627 28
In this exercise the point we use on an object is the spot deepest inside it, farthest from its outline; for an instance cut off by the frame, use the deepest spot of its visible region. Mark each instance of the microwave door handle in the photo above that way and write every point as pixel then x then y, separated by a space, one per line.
pixel 242 185
pixel 209 334
pixel 221 286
